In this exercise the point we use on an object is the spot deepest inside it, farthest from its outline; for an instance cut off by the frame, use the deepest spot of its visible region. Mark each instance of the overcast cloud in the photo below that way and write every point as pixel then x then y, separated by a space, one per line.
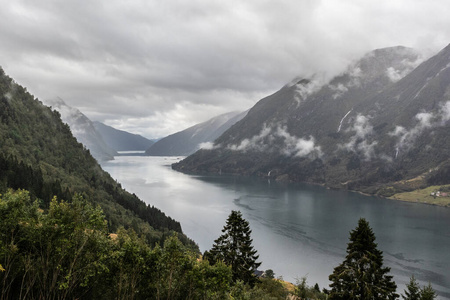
pixel 157 67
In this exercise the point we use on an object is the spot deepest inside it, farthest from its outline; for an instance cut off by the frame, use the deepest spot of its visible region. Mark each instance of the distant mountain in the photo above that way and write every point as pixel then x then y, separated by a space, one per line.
pixel 120 140
pixel 199 136
pixel 383 121
pixel 83 129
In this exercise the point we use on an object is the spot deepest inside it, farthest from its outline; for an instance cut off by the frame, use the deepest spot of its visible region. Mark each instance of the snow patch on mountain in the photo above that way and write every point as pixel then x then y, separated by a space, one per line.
pixel 342 120
pixel 430 78
pixel 443 69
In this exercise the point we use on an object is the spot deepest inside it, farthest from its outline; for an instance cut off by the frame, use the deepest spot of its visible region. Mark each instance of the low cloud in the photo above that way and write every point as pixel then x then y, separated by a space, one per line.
pixel 445 112
pixel 8 96
pixel 294 146
pixel 395 75
pixel 258 142
pixel 360 141
pixel 356 76
pixel 339 90
pixel 403 69
pixel 278 139
pixel 304 87
pixel 425 120
pixel 207 146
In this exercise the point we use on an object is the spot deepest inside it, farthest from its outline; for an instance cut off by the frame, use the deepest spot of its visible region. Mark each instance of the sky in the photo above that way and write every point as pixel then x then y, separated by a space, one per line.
pixel 155 67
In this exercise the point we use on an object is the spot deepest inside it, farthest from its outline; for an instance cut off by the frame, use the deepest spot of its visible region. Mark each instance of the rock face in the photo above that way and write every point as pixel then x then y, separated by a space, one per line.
pixel 83 129
pixel 120 140
pixel 383 120
pixel 193 138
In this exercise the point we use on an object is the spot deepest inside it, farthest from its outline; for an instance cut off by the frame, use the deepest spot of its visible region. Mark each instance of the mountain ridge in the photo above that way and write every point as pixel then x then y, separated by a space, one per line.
pixel 38 152
pixel 343 133
pixel 188 141
pixel 121 140
pixel 83 129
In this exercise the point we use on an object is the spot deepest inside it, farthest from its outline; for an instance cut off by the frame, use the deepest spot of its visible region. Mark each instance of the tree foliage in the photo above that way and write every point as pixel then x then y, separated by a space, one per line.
pixel 412 291
pixel 66 252
pixel 362 274
pixel 428 293
pixel 50 255
pixel 234 247
pixel 303 291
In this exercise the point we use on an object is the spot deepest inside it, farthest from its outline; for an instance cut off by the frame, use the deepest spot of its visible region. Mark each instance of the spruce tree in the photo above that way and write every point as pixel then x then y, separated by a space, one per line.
pixel 362 275
pixel 412 291
pixel 234 248
pixel 427 293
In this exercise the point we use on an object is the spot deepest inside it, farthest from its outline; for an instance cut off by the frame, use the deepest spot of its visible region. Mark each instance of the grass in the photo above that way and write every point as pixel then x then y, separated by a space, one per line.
pixel 424 196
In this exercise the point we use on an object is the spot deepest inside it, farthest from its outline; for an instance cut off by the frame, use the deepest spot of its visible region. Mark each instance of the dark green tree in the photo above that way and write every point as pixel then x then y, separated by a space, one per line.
pixel 412 291
pixel 303 291
pixel 234 248
pixel 269 274
pixel 362 275
pixel 427 293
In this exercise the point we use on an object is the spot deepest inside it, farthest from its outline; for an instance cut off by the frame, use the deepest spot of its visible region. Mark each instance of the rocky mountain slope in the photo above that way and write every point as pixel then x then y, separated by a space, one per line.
pixel 120 140
pixel 382 121
pixel 193 138
pixel 83 129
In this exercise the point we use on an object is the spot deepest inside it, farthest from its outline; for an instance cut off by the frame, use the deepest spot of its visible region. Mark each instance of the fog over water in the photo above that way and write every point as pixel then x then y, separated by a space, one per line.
pixel 298 229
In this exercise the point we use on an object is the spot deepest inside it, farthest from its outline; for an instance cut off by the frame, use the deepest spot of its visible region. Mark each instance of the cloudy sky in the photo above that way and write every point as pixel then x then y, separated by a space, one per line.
pixel 155 67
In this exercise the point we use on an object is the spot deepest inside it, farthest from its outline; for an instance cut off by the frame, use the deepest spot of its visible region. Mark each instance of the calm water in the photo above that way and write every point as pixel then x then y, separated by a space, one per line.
pixel 298 230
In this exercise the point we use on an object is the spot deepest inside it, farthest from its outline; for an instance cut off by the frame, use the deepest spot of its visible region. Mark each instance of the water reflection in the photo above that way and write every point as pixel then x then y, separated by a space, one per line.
pixel 298 229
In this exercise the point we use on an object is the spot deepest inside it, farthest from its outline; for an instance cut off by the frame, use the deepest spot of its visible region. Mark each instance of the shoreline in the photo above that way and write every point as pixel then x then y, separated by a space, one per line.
pixel 415 196
pixel 418 194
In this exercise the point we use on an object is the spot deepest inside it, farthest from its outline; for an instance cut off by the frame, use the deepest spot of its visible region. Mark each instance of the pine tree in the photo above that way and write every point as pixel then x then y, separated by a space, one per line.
pixel 362 275
pixel 234 248
pixel 428 293
pixel 413 290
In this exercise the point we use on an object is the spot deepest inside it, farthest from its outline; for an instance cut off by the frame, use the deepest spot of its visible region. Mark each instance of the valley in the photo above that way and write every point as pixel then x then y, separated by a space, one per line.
pixel 225 150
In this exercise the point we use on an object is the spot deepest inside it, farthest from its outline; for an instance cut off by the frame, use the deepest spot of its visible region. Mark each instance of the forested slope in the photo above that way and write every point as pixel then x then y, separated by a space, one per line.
pixel 39 153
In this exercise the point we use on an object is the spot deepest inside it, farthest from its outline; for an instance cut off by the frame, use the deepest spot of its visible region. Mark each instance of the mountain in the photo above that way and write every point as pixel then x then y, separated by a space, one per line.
pixel 120 140
pixel 198 136
pixel 380 123
pixel 83 129
pixel 39 153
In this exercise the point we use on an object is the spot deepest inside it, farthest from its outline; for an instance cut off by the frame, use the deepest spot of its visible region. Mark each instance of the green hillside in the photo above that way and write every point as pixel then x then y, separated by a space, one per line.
pixel 69 231
pixel 39 153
